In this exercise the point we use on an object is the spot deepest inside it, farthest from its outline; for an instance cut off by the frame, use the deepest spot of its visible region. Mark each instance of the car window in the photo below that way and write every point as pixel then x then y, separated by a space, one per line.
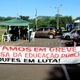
pixel 78 31
pixel 41 29
pixel 46 29
pixel 73 31
pixel 51 28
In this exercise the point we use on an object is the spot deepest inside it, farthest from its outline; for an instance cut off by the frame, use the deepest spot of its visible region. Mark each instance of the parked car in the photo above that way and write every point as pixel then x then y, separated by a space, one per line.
pixel 68 35
pixel 76 36
pixel 59 31
pixel 49 32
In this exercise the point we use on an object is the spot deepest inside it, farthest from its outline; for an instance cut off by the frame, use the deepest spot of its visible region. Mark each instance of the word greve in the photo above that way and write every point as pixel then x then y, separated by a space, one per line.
pixel 39 49
pixel 63 49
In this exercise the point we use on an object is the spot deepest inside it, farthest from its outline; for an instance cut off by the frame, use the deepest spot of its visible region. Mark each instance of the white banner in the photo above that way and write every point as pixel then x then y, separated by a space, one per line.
pixel 39 55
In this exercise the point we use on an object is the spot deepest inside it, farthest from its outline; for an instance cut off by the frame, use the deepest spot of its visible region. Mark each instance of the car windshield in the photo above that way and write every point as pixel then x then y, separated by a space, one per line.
pixel 78 32
pixel 73 31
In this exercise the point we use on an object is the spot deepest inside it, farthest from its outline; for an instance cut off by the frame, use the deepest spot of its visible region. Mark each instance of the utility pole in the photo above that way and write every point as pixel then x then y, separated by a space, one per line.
pixel 58 14
pixel 36 19
pixel 57 17
pixel 17 15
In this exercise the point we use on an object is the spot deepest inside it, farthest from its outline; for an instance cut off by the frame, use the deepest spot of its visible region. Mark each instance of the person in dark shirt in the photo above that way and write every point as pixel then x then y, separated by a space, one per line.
pixel 25 33
pixel 16 32
pixel 21 33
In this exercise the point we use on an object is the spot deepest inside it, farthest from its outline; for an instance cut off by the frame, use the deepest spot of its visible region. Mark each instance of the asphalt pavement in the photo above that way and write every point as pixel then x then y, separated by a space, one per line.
pixel 39 72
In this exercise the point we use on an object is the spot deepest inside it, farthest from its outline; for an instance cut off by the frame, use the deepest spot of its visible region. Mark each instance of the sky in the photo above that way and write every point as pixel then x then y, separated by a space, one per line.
pixel 14 8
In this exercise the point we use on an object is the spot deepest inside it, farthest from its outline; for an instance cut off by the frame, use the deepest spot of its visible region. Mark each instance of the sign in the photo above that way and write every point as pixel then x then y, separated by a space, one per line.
pixel 39 55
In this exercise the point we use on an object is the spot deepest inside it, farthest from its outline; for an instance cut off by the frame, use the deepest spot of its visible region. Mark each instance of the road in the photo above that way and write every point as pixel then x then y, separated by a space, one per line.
pixel 38 72
pixel 45 42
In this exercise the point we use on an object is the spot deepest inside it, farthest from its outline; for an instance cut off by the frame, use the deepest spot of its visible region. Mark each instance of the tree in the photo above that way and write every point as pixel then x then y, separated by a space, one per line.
pixel 78 18
pixel 24 17
pixel 43 21
pixel 53 22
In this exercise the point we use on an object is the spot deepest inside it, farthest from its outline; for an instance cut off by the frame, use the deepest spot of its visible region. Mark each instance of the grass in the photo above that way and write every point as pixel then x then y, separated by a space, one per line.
pixel 2 30
pixel 0 37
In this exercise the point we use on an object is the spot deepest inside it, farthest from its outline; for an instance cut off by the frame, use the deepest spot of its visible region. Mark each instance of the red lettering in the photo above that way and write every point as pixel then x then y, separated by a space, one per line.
pixel 54 55
pixel 31 55
pixel 51 49
pixel 70 55
pixel 45 55
pixel 17 54
pixel 28 49
pixel 3 54
pixel 63 49
pixel 13 48
pixel 38 55
pixel 71 49
pixel 57 49
pixel 54 49
pixel 40 49
pixel 16 48
pixel 5 48
pixel 21 49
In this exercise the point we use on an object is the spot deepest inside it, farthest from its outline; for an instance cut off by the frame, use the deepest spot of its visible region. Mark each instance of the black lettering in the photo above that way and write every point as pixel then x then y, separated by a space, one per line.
pixel 29 60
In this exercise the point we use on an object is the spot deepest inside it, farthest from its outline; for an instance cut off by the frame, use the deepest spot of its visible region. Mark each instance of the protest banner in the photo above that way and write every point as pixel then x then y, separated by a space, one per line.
pixel 39 55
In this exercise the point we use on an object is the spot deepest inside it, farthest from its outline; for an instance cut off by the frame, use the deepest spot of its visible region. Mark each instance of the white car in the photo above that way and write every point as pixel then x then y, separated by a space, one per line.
pixel 68 35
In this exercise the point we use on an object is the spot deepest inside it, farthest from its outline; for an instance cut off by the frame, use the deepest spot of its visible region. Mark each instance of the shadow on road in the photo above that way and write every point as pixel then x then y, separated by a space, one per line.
pixel 57 72
pixel 70 44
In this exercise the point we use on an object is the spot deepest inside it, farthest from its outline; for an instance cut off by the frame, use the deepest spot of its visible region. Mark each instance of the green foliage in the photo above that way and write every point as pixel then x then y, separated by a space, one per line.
pixel 77 27
pixel 24 17
pixel 6 18
pixel 2 28
pixel 53 22
pixel 44 21
pixel 78 18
